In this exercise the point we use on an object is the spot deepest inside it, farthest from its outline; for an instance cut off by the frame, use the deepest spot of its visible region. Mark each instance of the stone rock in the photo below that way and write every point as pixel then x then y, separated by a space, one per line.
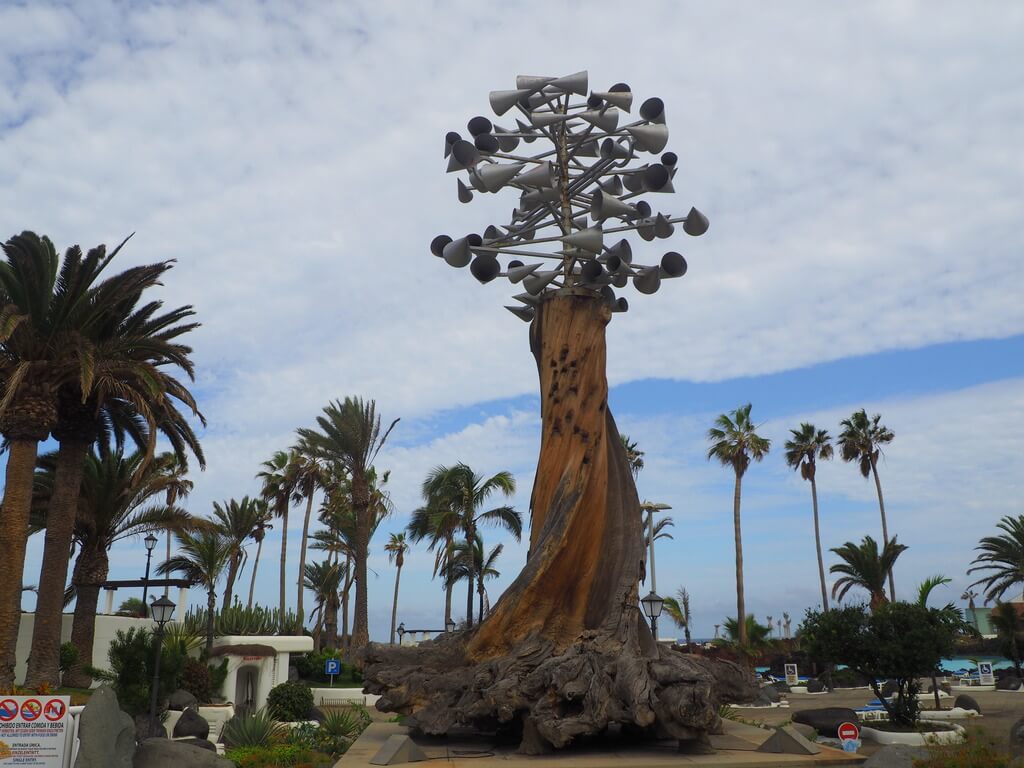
pixel 896 756
pixel 815 686
pixel 1009 683
pixel 107 734
pixel 182 700
pixel 781 687
pixel 191 723
pixel 163 753
pixel 805 730
pixel 966 702
pixel 762 699
pixel 317 714
pixel 147 729
pixel 1017 738
pixel 201 743
pixel 771 693
pixel 825 720
pixel 889 687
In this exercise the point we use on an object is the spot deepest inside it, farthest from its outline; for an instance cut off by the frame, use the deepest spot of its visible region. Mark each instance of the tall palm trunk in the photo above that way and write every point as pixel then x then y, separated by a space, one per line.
pixel 394 603
pixel 91 568
pixel 21 465
pixel 211 609
pixel 44 660
pixel 167 556
pixel 817 544
pixel 885 526
pixel 471 580
pixel 229 586
pixel 252 579
pixel 480 594
pixel 741 611
pixel 284 551
pixel 347 577
pixel 361 503
pixel 448 587
pixel 302 555
pixel 331 621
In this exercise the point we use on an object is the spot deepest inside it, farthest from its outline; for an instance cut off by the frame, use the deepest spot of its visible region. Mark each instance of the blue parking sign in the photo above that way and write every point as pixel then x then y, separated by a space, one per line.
pixel 332 667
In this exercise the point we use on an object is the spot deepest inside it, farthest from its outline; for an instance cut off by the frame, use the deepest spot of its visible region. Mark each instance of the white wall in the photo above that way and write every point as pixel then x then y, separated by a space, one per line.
pixel 106 626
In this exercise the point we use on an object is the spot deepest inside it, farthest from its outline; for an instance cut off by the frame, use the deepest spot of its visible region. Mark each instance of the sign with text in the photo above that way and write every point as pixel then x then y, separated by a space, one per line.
pixel 792 678
pixel 33 731
pixel 985 672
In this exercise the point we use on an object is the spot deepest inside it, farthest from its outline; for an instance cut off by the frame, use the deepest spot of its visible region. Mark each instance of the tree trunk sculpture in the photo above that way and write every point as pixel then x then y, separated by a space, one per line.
pixel 565 652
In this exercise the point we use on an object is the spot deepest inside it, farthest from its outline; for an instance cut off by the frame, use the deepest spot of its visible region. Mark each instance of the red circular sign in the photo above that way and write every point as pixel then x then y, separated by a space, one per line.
pixel 54 710
pixel 31 710
pixel 848 732
pixel 8 710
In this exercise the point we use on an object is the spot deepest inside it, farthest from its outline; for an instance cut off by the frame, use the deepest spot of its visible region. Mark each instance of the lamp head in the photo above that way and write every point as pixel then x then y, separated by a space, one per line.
pixel 652 604
pixel 150 542
pixel 162 609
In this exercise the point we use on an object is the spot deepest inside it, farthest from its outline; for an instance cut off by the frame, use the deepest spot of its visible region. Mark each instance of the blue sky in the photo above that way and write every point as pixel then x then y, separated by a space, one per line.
pixel 860 166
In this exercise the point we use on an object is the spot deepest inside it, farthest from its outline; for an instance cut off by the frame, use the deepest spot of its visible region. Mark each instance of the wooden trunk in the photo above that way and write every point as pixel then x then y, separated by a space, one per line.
pixel 566 651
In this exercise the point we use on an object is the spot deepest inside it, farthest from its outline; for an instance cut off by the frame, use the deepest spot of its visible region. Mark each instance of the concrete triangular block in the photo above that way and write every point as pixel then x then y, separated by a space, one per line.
pixel 787 741
pixel 396 750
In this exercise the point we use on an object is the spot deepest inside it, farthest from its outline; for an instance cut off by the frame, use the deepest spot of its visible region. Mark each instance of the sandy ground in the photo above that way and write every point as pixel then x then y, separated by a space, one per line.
pixel 999 710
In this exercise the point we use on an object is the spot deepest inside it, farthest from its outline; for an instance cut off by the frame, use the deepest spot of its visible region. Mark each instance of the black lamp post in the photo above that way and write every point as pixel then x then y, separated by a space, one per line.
pixel 161 610
pixel 652 605
pixel 150 542
pixel 401 632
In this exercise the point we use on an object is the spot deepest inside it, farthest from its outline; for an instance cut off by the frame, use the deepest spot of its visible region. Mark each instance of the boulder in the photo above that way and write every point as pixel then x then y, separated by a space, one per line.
pixel 826 720
pixel 781 686
pixel 148 729
pixel 201 743
pixel 762 699
pixel 966 702
pixel 163 753
pixel 1008 683
pixel 191 724
pixel 181 700
pixel 771 693
pixel 805 730
pixel 107 734
pixel 316 714
pixel 896 756
pixel 1017 738
pixel 815 686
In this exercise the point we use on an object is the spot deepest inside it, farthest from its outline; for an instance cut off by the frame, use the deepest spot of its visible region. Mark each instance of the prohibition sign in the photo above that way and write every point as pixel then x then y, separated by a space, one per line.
pixel 848 732
pixel 31 710
pixel 54 710
pixel 8 710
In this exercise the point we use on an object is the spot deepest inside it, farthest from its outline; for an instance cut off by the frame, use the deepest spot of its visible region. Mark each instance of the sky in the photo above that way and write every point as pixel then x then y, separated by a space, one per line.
pixel 860 164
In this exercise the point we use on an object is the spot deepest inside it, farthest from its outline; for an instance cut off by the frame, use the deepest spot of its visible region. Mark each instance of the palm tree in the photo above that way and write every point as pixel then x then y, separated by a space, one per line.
pixel 396 548
pixel 864 567
pixel 308 476
pixel 735 443
pixel 469 563
pixel 460 489
pixel 809 444
pixel 678 609
pixel 324 581
pixel 350 435
pixel 236 521
pixel 120 497
pixel 948 614
pixel 260 526
pixel 634 456
pixel 202 557
pixel 861 440
pixel 277 491
pixel 44 308
pixel 439 525
pixel 749 639
pixel 1003 555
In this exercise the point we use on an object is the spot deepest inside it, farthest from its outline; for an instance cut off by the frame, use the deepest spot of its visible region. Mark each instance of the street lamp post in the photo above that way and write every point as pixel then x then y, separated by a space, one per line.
pixel 449 626
pixel 150 542
pixel 652 605
pixel 162 610
pixel 401 632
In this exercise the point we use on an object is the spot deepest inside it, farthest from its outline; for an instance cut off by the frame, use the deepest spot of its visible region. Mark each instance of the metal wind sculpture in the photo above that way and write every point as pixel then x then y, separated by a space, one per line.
pixel 575 197
pixel 565 653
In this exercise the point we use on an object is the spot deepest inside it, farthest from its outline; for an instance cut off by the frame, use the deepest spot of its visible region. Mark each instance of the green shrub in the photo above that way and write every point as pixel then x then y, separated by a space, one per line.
pixel 68 656
pixel 195 678
pixel 310 666
pixel 978 751
pixel 279 754
pixel 256 730
pixel 131 656
pixel 341 727
pixel 305 735
pixel 290 701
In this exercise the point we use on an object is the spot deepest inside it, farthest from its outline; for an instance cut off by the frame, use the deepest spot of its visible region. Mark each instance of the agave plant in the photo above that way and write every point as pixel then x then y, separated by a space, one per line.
pixel 257 729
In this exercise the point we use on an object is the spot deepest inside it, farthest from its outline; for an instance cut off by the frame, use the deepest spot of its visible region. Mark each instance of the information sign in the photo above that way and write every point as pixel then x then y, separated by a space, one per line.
pixel 792 678
pixel 985 672
pixel 33 731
